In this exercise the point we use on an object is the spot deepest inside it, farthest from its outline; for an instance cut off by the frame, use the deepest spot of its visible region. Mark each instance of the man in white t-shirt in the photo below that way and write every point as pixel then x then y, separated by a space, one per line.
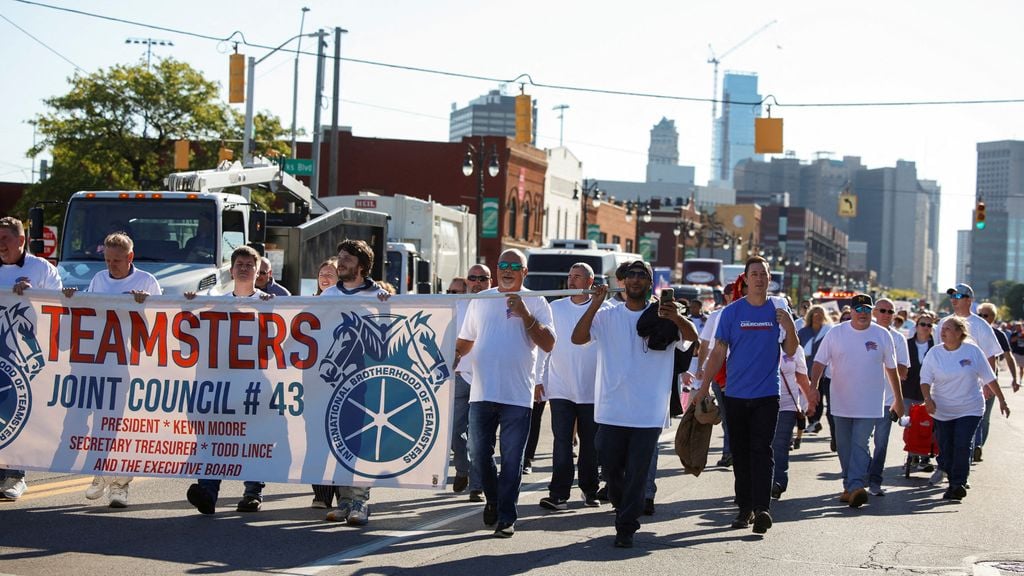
pixel 203 494
pixel 863 361
pixel 633 377
pixel 883 316
pixel 961 298
pixel 504 334
pixel 21 271
pixel 478 280
pixel 120 277
pixel 568 387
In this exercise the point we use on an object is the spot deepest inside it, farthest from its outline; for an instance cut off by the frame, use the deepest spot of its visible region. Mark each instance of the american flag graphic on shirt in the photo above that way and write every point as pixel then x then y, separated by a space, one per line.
pixel 965 362
pixel 870 345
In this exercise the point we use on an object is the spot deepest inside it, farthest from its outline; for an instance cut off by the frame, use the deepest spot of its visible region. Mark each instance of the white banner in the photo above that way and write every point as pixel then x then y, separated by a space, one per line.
pixel 339 391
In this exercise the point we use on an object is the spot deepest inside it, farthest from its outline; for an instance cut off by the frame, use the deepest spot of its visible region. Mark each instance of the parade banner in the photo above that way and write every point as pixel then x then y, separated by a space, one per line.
pixel 344 391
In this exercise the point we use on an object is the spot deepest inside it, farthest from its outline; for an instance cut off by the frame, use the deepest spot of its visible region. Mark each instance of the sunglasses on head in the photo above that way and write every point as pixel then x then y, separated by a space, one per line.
pixel 514 266
pixel 637 274
pixel 481 278
pixel 959 296
pixel 884 311
pixel 924 325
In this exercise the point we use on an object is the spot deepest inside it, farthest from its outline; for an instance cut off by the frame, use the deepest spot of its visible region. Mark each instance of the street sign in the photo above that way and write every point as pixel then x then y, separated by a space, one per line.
pixel 49 242
pixel 298 166
pixel 847 205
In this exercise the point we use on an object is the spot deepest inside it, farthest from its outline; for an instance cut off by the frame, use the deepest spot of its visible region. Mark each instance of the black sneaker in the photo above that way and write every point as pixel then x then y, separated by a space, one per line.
pixel 476 496
pixel 832 444
pixel 648 506
pixel 249 504
pixel 762 522
pixel 201 499
pixel 623 540
pixel 958 492
pixel 743 519
pixel 505 530
pixel 490 514
pixel 552 503
pixel 777 491
pixel 602 494
pixel 591 500
pixel 725 461
pixel 460 483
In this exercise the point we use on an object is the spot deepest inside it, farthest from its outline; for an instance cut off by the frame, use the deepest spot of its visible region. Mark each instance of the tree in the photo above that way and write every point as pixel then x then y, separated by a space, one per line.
pixel 115 130
pixel 1014 301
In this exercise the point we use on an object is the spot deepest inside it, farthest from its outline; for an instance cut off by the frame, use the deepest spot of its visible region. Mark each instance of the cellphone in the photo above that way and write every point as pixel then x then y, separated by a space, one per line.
pixel 668 296
pixel 893 416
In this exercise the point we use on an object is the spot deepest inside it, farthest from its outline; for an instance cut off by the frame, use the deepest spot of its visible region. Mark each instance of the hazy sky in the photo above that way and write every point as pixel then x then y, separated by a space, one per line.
pixel 816 53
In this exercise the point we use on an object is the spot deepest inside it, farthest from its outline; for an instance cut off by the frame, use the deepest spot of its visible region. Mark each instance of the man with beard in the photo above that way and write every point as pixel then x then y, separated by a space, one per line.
pixel 355 260
pixel 632 378
pixel 504 333
pixel 478 280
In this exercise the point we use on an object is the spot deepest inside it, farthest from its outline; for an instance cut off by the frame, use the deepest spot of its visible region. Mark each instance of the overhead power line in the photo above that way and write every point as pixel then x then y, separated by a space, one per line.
pixel 525 78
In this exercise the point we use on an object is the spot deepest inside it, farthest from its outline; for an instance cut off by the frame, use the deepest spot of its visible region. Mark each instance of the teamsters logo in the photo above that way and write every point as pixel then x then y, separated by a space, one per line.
pixel 382 418
pixel 20 360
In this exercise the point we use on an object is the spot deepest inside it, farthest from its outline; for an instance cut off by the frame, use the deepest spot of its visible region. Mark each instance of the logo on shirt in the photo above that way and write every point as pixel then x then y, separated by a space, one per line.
pixel 21 359
pixel 870 345
pixel 752 325
pixel 382 417
pixel 965 362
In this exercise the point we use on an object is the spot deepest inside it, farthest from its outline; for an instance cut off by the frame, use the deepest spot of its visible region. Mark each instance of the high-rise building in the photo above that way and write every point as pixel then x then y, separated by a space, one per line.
pixel 963 255
pixel 997 252
pixel 493 114
pixel 663 156
pixel 734 129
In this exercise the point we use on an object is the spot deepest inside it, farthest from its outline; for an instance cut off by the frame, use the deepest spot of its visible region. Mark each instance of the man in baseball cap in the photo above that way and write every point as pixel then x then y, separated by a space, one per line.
pixel 962 290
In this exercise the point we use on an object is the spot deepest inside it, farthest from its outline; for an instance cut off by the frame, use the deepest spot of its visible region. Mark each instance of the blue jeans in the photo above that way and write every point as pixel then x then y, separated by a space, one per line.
pixel 883 426
pixel 6 473
pixel 753 422
pixel 460 433
pixel 982 434
pixel 720 398
pixel 781 444
pixel 626 458
pixel 484 420
pixel 954 438
pixel 852 435
pixel 254 489
pixel 565 415
pixel 650 488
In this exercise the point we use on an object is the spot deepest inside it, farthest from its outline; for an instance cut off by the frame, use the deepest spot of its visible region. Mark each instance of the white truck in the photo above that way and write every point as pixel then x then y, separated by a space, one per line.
pixel 185 234
pixel 428 243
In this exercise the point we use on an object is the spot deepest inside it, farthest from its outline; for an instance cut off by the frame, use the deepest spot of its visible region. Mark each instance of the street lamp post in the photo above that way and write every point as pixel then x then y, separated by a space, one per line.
pixel 295 83
pixel 588 192
pixel 493 168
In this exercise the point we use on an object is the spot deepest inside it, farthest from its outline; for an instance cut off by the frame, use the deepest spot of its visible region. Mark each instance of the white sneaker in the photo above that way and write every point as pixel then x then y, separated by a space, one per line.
pixel 937 477
pixel 876 491
pixel 96 489
pixel 13 488
pixel 360 514
pixel 118 495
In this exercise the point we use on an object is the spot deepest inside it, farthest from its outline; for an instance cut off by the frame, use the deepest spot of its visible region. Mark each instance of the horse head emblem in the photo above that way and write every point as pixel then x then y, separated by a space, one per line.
pixel 18 340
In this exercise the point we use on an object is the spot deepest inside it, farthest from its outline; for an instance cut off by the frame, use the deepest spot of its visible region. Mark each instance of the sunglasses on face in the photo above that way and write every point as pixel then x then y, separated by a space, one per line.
pixel 862 309
pixel 480 278
pixel 959 296
pixel 881 311
pixel 924 325
pixel 513 266
pixel 636 274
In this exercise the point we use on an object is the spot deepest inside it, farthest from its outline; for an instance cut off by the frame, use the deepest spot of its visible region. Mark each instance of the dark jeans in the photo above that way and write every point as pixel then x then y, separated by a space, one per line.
pixel 982 434
pixel 254 489
pixel 566 415
pixel 752 429
pixel 6 473
pixel 780 447
pixel 955 438
pixel 460 433
pixel 824 404
pixel 484 420
pixel 535 421
pixel 720 398
pixel 625 458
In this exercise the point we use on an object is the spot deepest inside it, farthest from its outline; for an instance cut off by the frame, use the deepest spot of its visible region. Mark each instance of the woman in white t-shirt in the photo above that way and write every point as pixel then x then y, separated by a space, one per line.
pixel 949 383
pixel 793 375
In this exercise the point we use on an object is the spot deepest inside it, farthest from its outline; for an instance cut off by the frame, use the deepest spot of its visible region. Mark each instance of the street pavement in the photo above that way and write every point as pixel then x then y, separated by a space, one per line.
pixel 53 529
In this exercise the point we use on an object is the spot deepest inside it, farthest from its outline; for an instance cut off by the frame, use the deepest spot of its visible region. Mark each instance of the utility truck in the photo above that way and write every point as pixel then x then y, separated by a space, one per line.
pixel 185 235
pixel 428 243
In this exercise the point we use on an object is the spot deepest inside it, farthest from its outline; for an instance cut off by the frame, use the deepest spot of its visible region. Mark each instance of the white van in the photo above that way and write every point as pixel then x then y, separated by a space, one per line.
pixel 549 267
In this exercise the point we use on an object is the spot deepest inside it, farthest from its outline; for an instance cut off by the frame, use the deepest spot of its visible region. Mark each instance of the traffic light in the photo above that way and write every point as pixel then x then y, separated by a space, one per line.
pixel 979 216
pixel 236 79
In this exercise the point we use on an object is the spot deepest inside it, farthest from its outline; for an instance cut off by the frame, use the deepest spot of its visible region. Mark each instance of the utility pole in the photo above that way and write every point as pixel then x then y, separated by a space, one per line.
pixel 314 180
pixel 295 84
pixel 561 120
pixel 332 180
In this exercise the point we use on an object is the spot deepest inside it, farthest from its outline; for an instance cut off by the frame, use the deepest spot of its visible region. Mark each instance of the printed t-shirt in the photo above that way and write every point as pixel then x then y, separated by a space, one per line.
pixel 753 335
pixel 954 376
pixel 858 385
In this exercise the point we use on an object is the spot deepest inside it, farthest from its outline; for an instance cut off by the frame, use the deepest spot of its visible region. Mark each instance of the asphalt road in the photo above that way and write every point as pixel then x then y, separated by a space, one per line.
pixel 911 530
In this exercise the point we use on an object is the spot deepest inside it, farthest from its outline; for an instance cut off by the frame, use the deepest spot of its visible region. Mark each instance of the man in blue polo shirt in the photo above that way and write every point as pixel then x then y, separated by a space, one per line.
pixel 749 332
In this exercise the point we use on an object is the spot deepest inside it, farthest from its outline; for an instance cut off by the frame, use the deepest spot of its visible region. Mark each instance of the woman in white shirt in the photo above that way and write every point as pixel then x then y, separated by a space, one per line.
pixel 949 383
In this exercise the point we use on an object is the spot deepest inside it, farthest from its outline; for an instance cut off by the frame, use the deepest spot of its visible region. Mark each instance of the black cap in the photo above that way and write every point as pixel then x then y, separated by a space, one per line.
pixel 862 300
pixel 640 265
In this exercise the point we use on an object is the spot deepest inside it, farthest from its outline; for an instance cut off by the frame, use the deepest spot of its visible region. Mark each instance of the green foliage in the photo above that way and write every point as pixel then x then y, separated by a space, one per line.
pixel 115 130
pixel 901 294
pixel 1013 300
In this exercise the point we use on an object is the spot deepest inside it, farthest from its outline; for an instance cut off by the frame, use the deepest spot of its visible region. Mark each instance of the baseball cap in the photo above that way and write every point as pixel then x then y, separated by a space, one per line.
pixel 961 289
pixel 640 265
pixel 862 300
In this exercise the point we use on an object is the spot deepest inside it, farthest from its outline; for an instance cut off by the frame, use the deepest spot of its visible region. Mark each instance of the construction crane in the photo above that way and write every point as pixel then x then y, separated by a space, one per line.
pixel 714 60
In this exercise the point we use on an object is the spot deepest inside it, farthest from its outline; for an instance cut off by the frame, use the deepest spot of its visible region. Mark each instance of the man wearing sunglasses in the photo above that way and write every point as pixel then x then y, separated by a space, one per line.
pixel 863 361
pixel 630 399
pixel 504 334
pixel 265 279
pixel 478 280
pixel 884 314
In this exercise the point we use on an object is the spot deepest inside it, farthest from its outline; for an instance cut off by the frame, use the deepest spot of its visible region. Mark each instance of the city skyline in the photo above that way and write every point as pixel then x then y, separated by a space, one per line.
pixel 810 56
